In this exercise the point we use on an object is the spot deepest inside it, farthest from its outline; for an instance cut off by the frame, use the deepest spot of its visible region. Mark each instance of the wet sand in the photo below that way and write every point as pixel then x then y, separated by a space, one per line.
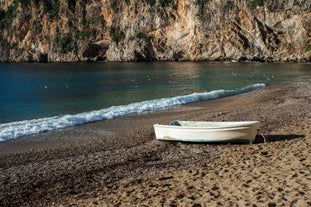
pixel 119 162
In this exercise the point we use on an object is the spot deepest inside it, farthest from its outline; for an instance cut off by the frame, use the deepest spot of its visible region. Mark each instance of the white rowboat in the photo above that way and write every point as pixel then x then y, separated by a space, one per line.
pixel 201 131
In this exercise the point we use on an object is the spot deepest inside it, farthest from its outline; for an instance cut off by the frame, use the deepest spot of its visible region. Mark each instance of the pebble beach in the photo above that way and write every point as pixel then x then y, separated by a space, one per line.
pixel 120 163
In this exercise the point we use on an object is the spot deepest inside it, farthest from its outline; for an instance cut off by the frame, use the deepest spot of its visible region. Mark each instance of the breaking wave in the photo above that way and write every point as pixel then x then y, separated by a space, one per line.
pixel 14 130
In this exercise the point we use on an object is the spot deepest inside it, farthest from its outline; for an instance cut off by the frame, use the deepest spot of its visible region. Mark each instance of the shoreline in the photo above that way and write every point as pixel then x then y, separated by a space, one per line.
pixel 119 162
pixel 299 58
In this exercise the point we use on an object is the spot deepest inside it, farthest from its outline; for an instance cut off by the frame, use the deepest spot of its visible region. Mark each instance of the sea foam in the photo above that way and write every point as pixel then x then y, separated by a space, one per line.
pixel 14 130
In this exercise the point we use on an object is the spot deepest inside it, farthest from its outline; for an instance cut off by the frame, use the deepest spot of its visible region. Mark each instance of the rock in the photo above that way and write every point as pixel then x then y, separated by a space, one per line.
pixel 95 52
pixel 155 31
pixel 43 58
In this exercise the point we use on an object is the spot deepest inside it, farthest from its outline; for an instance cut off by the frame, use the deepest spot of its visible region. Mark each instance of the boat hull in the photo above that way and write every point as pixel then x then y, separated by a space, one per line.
pixel 208 131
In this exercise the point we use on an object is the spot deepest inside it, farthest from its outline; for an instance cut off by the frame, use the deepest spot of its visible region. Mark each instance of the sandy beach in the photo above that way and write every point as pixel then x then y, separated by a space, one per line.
pixel 120 163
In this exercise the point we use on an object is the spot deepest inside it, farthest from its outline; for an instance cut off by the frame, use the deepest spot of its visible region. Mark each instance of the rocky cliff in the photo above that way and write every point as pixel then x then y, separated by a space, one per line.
pixel 155 30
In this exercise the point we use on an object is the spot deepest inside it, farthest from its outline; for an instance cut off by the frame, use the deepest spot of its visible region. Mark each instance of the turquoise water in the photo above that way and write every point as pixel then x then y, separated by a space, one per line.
pixel 34 92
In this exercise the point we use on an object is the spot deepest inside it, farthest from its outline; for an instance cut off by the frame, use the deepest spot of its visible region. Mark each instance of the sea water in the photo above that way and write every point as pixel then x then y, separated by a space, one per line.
pixel 41 97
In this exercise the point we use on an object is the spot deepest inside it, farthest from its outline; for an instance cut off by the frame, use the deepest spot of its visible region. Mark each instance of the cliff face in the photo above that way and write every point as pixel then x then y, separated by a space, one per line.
pixel 150 30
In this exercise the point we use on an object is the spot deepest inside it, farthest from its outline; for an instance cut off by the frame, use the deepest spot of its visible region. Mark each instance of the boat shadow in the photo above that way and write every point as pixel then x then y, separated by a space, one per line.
pixel 276 138
pixel 260 138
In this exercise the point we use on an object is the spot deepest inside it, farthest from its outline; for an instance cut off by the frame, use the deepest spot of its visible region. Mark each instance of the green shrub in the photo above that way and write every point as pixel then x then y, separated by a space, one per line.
pixel 51 7
pixel 25 3
pixel 71 5
pixel 141 35
pixel 83 1
pixel 116 34
pixel 64 43
pixel 9 15
pixel 229 5
pixel 2 16
pixel 3 44
pixel 80 35
pixel 165 3
pixel 255 3
pixel 36 2
pixel 36 26
pixel 168 3
pixel 151 2
pixel 115 5
pixel 47 5
pixel 308 48
pixel 201 4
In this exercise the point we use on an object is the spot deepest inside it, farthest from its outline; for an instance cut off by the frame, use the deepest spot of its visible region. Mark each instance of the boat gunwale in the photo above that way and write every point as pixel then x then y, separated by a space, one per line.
pixel 235 125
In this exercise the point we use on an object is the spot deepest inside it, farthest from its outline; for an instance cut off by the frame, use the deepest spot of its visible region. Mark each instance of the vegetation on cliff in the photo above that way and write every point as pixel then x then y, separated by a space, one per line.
pixel 150 30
